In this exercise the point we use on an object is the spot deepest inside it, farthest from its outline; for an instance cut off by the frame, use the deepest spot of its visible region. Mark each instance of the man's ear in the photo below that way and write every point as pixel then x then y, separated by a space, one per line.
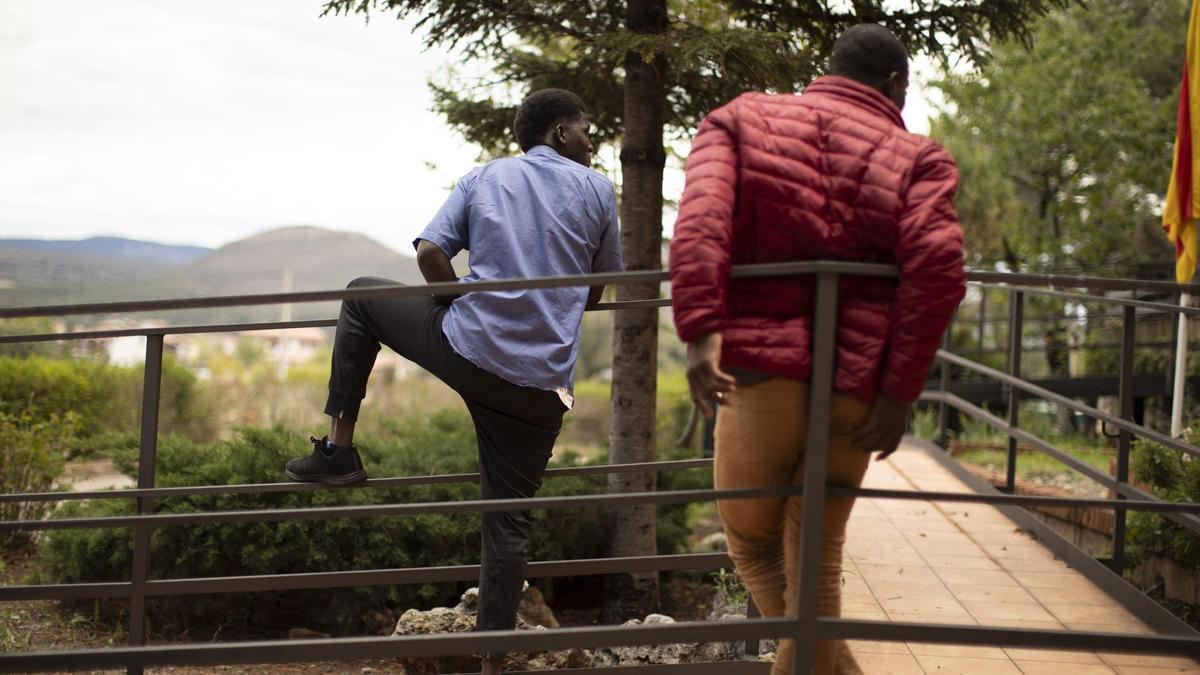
pixel 896 87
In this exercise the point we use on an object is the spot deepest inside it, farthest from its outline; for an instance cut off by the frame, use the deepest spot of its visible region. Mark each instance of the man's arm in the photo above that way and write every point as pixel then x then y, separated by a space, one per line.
pixel 929 253
pixel 446 235
pixel 700 254
pixel 608 254
pixel 435 267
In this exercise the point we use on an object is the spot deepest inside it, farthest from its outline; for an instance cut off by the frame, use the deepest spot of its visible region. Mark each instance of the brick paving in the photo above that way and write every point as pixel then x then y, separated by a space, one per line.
pixel 968 564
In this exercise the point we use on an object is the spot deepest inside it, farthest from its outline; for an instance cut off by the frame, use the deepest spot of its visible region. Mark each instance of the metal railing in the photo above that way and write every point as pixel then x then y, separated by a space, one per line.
pixel 806 628
pixel 1018 388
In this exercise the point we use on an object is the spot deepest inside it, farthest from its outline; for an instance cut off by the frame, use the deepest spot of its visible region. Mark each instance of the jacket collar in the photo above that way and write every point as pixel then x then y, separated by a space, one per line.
pixel 858 94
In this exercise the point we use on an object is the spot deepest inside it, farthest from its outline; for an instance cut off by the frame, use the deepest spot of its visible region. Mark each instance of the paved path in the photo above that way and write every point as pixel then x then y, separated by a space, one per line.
pixel 968 564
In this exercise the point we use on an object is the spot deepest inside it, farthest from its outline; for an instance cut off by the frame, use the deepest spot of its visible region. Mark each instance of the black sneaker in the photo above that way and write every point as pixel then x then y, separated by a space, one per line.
pixel 329 464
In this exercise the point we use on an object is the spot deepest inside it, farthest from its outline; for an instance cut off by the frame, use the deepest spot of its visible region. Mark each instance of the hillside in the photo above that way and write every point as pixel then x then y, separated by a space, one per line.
pixel 112 249
pixel 318 259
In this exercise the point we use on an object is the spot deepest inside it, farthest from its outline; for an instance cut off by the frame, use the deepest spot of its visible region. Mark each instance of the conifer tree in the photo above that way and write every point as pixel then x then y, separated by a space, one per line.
pixel 649 68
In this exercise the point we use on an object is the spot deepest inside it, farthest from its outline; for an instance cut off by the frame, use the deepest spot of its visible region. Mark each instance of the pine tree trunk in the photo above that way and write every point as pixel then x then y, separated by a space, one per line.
pixel 635 332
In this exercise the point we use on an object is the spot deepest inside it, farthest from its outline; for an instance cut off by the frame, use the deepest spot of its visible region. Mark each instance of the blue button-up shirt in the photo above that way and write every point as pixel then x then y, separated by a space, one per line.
pixel 536 215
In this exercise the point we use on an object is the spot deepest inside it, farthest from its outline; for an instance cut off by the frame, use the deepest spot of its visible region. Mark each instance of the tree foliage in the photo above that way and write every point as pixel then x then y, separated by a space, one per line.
pixel 1065 148
pixel 712 50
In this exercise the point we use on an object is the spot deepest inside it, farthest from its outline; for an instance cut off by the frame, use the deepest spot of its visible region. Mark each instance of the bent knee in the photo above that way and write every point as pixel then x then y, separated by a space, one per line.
pixel 371 281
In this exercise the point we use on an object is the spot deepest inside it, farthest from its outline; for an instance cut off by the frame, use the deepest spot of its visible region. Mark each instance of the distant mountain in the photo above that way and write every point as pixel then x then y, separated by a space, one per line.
pixel 112 248
pixel 317 259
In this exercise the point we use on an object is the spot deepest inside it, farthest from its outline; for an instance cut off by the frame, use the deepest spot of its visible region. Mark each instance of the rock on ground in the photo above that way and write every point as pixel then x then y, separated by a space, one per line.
pixel 670 653
pixel 533 614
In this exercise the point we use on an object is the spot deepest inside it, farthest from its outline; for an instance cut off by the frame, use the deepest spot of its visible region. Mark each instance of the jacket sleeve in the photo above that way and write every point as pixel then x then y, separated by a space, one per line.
pixel 930 256
pixel 700 247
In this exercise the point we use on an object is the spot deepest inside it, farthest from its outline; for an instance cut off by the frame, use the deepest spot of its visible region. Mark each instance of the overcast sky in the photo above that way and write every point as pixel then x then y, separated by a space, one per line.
pixel 205 122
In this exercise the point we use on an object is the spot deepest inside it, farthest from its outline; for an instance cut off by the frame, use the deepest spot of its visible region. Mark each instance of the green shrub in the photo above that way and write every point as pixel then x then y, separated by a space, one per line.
pixel 1172 477
pixel 924 423
pixel 31 460
pixel 105 399
pixel 441 444
pixel 977 431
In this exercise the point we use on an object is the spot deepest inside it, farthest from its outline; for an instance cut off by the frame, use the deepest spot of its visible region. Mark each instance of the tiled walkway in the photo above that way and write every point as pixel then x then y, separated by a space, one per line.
pixel 968 564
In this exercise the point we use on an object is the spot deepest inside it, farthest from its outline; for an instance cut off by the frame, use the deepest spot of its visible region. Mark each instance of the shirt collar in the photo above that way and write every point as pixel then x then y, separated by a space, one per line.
pixel 541 149
pixel 859 94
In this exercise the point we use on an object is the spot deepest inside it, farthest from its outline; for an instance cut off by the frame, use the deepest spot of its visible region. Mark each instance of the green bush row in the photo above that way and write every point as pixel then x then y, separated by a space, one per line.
pixel 105 400
pixel 444 443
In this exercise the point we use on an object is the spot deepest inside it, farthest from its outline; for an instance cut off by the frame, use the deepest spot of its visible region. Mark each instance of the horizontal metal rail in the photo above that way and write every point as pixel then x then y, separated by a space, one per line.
pixel 167 330
pixel 397 482
pixel 412 509
pixel 249 327
pixel 1095 413
pixel 1067 281
pixel 286 651
pixel 442 288
pixel 568 502
pixel 888 631
pixel 1083 297
pixel 346 579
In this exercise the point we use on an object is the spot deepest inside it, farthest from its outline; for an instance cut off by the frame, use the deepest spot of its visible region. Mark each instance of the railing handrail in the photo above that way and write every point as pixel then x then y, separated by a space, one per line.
pixel 411 646
pixel 1084 297
pixel 756 270
pixel 567 502
pixel 388 483
pixel 627 277
pixel 1069 281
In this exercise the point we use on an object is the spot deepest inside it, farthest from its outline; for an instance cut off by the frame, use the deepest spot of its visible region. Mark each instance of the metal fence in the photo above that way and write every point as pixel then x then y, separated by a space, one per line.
pixel 806 628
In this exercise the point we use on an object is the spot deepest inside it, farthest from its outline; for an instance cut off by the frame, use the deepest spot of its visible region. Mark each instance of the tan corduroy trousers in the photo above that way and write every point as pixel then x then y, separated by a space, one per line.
pixel 760 436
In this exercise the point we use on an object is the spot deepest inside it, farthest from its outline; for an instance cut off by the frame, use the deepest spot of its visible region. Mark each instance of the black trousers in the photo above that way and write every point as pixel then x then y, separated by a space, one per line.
pixel 515 426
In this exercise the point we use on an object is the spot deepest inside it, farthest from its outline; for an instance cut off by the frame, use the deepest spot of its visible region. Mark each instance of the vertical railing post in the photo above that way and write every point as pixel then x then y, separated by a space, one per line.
pixel 820 395
pixel 750 648
pixel 944 387
pixel 1124 438
pixel 982 322
pixel 151 389
pixel 1016 328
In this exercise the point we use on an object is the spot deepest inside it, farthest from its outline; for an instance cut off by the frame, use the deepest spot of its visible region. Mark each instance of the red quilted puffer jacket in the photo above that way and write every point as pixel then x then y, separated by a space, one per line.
pixel 830 174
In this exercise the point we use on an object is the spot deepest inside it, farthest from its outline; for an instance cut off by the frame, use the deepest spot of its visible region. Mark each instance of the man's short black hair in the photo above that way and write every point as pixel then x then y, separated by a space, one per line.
pixel 868 53
pixel 541 110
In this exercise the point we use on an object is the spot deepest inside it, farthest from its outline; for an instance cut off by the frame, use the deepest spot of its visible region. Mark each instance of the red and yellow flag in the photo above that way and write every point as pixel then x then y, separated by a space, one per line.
pixel 1183 193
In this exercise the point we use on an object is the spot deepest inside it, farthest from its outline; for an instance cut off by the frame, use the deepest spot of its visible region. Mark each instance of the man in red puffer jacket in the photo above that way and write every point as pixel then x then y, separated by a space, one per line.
pixel 830 174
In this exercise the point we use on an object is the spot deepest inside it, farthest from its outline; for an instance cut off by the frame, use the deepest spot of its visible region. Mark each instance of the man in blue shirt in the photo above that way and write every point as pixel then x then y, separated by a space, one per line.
pixel 509 354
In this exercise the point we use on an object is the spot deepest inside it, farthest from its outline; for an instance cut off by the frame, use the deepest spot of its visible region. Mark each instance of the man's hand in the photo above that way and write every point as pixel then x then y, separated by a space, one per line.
pixel 706 380
pixel 888 422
